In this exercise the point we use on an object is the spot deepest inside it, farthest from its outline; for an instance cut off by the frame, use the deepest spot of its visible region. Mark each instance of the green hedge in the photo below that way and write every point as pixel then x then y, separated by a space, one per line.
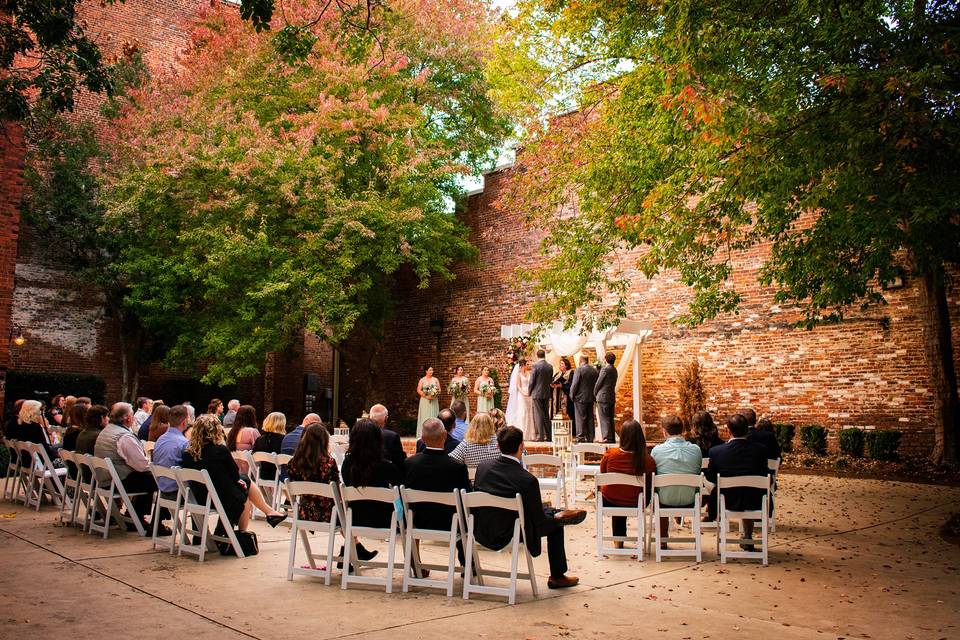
pixel 851 442
pixel 883 444
pixel 785 433
pixel 813 437
pixel 30 385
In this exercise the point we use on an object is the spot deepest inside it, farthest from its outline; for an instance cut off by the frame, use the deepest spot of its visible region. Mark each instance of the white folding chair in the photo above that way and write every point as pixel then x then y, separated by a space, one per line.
pixel 109 489
pixel 69 504
pixel 11 482
pixel 148 447
pixel 173 506
pixel 281 501
pixel 25 471
pixel 694 481
pixel 725 517
pixel 638 512
pixel 478 500
pixel 387 534
pixel 46 478
pixel 412 565
pixel 581 468
pixel 87 487
pixel 197 516
pixel 557 482
pixel 297 490
pixel 774 467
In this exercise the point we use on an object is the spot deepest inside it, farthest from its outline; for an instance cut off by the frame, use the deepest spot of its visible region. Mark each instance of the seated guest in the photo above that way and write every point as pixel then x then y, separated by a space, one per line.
pixel 120 444
pixel 159 422
pixel 244 433
pixel 144 405
pixel 271 441
pixel 480 443
pixel 739 457
pixel 312 463
pixel 434 470
pixel 630 457
pixel 392 447
pixel 449 422
pixel 77 422
pixel 215 408
pixel 231 415
pixel 761 436
pixel 705 433
pixel 94 422
pixel 460 416
pixel 499 419
pixel 207 450
pixel 675 455
pixel 290 441
pixel 55 412
pixel 365 466
pixel 169 449
pixel 32 427
pixel 506 477
pixel 11 429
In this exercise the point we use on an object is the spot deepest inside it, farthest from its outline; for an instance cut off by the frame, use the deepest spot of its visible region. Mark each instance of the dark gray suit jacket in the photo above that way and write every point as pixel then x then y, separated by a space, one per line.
pixel 584 380
pixel 606 387
pixel 540 380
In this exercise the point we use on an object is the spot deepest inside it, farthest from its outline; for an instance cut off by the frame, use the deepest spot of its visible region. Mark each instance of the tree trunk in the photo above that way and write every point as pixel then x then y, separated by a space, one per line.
pixel 939 349
pixel 124 379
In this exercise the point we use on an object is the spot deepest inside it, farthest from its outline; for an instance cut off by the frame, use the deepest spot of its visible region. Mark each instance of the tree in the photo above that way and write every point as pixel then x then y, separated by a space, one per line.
pixel 279 181
pixel 61 205
pixel 827 128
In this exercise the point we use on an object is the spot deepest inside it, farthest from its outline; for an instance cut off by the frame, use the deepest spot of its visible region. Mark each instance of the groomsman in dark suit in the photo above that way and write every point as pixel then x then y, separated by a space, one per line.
pixel 606 393
pixel 540 393
pixel 581 391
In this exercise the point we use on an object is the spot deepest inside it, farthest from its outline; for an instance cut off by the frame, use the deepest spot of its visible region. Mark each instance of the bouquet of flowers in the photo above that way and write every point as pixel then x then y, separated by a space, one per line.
pixel 488 389
pixel 519 347
pixel 457 388
pixel 430 391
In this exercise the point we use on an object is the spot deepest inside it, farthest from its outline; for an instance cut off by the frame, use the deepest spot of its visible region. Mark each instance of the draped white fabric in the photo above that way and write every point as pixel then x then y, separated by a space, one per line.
pixel 567 342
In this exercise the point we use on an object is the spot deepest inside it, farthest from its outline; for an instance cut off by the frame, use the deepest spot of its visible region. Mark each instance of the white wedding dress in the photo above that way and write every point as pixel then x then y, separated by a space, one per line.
pixel 525 409
pixel 513 400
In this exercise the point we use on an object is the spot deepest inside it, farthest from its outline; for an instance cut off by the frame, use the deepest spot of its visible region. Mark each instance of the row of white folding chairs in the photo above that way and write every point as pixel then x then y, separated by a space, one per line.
pixel 646 530
pixel 462 527
pixel 36 480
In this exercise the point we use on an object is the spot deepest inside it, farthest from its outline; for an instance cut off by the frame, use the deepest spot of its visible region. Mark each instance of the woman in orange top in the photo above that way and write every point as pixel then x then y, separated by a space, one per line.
pixel 631 458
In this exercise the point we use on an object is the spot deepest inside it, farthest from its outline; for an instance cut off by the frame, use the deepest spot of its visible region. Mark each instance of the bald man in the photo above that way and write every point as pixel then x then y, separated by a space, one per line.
pixel 434 470
pixel 392 446
pixel 292 439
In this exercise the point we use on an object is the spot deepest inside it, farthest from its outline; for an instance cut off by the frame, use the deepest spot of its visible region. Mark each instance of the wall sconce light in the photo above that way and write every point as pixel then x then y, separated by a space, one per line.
pixel 436 328
pixel 19 339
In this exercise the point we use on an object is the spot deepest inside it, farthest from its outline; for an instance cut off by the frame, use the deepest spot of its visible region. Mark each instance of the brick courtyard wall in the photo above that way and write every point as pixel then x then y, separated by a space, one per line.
pixel 11 189
pixel 868 371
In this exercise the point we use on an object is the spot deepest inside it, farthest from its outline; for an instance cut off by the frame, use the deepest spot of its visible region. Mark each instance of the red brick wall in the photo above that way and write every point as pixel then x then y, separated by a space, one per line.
pixel 11 190
pixel 867 371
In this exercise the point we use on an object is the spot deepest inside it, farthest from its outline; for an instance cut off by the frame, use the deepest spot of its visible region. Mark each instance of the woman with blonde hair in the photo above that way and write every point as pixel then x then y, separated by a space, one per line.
pixel 207 450
pixel 480 442
pixel 32 427
pixel 273 429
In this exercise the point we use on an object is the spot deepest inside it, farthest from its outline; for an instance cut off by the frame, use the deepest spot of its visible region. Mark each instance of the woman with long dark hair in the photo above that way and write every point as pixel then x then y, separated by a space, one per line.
pixel 365 466
pixel 705 434
pixel 244 433
pixel 630 457
pixel 311 462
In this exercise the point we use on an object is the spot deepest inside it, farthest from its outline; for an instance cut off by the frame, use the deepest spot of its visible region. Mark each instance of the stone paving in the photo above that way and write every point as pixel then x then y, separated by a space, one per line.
pixel 850 559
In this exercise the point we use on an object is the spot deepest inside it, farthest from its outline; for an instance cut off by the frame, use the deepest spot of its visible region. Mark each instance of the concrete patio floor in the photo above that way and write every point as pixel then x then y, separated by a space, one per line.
pixel 850 559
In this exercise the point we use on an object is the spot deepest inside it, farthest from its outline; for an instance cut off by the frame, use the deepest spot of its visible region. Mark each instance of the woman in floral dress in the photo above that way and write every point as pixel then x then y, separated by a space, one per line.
pixel 312 462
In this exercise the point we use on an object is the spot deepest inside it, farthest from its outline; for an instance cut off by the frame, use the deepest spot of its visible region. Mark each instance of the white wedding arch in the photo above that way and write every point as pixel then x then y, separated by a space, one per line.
pixel 559 342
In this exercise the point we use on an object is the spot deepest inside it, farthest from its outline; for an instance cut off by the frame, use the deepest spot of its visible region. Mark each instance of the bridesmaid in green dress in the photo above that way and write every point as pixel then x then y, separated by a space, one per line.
pixel 482 388
pixel 429 391
pixel 462 382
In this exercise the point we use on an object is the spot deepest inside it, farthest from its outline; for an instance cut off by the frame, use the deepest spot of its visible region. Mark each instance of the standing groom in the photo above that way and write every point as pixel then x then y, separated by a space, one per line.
pixel 581 390
pixel 540 393
pixel 606 393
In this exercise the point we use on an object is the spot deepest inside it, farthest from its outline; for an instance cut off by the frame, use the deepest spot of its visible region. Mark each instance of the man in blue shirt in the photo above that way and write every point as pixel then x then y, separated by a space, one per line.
pixel 292 439
pixel 460 412
pixel 675 455
pixel 168 452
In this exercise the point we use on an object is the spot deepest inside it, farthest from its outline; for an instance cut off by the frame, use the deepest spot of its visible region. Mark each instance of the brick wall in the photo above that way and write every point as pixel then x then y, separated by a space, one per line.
pixel 11 188
pixel 868 371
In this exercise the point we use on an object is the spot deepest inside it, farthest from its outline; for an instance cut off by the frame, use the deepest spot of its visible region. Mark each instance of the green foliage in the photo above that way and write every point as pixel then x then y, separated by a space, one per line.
pixel 882 444
pixel 406 427
pixel 851 442
pixel 785 433
pixel 707 128
pixel 282 180
pixel 46 58
pixel 30 385
pixel 498 394
pixel 814 439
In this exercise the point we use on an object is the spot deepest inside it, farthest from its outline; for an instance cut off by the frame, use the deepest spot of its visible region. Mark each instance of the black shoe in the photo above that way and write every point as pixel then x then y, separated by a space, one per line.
pixel 273 521
pixel 570 516
pixel 364 554
pixel 164 531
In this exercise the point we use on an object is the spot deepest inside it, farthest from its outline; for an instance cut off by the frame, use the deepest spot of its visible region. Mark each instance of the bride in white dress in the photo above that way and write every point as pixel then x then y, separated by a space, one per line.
pixel 513 399
pixel 524 418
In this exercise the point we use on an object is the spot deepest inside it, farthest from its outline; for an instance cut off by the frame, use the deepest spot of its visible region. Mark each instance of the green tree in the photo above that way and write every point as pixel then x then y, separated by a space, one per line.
pixel 827 128
pixel 282 178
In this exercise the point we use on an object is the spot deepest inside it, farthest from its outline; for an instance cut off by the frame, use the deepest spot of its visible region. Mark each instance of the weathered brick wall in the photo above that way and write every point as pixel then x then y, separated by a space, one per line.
pixel 868 371
pixel 11 188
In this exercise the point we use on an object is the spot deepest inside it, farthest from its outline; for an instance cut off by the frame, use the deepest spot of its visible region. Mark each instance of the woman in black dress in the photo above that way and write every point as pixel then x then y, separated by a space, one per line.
pixel 237 493
pixel 271 438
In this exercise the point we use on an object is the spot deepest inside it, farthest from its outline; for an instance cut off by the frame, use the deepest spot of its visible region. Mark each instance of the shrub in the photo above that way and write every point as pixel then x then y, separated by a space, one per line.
pixel 785 436
pixel 843 463
pixel 692 396
pixel 30 385
pixel 814 439
pixel 851 442
pixel 883 444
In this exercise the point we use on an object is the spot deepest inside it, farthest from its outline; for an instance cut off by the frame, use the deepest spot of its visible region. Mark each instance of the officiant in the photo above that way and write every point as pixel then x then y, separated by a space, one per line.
pixel 561 402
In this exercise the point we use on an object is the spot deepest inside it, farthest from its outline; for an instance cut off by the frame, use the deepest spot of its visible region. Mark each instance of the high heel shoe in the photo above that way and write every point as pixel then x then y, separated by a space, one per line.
pixel 273 521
